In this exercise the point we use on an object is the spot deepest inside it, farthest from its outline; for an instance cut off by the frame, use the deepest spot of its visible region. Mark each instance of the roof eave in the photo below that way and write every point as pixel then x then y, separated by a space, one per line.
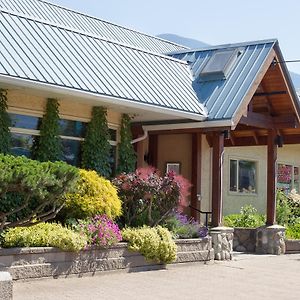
pixel 101 99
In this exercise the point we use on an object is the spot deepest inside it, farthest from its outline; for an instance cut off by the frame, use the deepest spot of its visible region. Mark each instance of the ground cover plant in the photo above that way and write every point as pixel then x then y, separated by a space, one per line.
pixel 148 198
pixel 40 187
pixel 155 243
pixel 44 235
pixel 100 231
pixel 248 218
pixel 183 227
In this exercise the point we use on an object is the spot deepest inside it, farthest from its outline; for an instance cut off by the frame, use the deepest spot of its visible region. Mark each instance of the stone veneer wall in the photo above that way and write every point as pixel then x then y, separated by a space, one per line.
pixel 27 263
pixel 244 239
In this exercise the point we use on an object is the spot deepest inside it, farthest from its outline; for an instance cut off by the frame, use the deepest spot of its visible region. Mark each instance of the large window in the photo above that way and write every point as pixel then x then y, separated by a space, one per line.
pixel 24 129
pixel 287 177
pixel 242 176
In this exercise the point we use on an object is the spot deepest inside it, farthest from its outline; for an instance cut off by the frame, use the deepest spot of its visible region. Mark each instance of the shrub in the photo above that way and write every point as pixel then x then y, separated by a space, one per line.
pixel 47 146
pixel 156 243
pixel 100 231
pixel 5 136
pixel 283 209
pixel 183 227
pixel 127 157
pixel 149 198
pixel 293 232
pixel 94 195
pixel 96 147
pixel 44 235
pixel 247 218
pixel 39 185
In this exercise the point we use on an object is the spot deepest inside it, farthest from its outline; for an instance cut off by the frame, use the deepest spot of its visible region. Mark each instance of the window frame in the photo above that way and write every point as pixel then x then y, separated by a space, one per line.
pixel 238 193
pixel 293 165
pixel 39 114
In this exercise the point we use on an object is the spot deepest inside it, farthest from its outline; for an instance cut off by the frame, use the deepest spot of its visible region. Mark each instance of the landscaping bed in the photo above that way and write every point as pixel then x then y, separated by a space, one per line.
pixel 40 262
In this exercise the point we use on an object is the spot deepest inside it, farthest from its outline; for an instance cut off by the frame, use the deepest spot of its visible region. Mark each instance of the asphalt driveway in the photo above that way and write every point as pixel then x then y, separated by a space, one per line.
pixel 246 277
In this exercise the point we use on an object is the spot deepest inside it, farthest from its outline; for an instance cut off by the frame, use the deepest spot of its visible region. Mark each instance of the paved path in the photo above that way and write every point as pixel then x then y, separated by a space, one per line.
pixel 246 277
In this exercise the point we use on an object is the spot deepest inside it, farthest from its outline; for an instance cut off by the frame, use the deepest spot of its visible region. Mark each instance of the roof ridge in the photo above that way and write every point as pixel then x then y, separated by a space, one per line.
pixel 222 46
pixel 111 23
pixel 99 37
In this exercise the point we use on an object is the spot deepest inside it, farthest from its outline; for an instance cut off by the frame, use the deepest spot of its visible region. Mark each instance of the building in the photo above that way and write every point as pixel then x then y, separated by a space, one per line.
pixel 217 114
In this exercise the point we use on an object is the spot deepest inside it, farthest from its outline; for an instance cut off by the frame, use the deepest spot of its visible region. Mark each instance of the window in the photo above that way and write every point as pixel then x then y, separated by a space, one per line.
pixel 25 128
pixel 242 176
pixel 219 65
pixel 287 177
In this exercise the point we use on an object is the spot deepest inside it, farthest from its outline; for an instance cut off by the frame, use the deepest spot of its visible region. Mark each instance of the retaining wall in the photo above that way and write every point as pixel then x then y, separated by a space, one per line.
pixel 27 263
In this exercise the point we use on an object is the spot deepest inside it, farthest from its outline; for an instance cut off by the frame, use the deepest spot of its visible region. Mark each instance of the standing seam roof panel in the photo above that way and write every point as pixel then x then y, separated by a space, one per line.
pixel 52 12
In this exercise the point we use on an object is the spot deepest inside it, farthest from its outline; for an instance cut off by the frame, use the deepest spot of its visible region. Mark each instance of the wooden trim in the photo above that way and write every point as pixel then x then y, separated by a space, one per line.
pixel 271 178
pixel 196 172
pixel 243 107
pixel 153 151
pixel 217 170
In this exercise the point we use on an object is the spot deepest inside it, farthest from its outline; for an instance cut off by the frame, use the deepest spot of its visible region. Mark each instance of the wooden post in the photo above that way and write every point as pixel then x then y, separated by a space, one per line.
pixel 217 170
pixel 271 178
pixel 196 173
pixel 153 150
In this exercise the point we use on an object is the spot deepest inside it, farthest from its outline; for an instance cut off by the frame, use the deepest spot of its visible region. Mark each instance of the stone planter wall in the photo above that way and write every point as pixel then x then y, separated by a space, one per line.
pixel 27 263
pixel 244 239
pixel 292 246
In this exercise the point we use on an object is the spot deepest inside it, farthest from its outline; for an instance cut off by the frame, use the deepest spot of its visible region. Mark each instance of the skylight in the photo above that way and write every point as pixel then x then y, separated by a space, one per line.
pixel 219 65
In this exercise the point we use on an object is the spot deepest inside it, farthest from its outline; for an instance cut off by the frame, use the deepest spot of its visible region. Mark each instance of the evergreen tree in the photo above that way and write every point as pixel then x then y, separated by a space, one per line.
pixel 5 136
pixel 127 156
pixel 96 147
pixel 48 146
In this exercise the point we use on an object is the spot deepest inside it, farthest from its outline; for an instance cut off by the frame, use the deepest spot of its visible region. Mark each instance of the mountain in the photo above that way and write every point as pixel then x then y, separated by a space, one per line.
pixel 191 43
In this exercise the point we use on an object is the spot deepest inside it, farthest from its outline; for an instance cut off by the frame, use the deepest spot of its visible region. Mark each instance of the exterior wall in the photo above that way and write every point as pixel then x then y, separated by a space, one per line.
pixel 175 148
pixel 18 101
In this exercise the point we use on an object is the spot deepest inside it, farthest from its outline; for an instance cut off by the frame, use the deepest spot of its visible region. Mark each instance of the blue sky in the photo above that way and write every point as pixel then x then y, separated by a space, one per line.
pixel 213 22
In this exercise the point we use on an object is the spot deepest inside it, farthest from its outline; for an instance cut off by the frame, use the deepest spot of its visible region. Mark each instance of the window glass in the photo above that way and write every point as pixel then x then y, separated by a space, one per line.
pixel 21 144
pixel 113 159
pixel 296 179
pixel 233 175
pixel 113 134
pixel 72 128
pixel 71 151
pixel 247 176
pixel 287 177
pixel 242 176
pixel 23 121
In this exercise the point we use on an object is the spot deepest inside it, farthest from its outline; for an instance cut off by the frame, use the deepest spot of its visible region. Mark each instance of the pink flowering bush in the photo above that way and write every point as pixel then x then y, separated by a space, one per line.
pixel 100 231
pixel 148 198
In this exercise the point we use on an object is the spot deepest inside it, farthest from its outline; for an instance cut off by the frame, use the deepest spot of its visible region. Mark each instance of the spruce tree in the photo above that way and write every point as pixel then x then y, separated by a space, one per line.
pixel 127 156
pixel 48 146
pixel 5 136
pixel 96 147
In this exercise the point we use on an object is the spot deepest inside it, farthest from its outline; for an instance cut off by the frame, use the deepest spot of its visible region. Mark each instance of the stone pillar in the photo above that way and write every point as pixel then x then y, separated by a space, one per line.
pixel 6 286
pixel 222 241
pixel 270 240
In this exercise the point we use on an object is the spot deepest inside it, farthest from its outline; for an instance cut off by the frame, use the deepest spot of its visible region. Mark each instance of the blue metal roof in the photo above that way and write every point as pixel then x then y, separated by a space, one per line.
pixel 223 97
pixel 56 14
pixel 54 54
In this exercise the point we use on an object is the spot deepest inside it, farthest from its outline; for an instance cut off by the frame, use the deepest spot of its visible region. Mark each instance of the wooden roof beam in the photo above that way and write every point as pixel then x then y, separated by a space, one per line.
pixel 262 121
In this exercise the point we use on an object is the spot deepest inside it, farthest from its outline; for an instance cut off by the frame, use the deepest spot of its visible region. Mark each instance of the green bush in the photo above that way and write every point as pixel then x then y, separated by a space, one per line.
pixel 283 209
pixel 5 136
pixel 96 147
pixel 247 218
pixel 47 146
pixel 155 243
pixel 44 235
pixel 293 232
pixel 39 187
pixel 127 156
pixel 94 195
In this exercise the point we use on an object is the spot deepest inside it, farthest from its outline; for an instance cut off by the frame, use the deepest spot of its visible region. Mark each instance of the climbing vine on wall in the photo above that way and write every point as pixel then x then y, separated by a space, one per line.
pixel 127 156
pixel 48 146
pixel 96 147
pixel 5 136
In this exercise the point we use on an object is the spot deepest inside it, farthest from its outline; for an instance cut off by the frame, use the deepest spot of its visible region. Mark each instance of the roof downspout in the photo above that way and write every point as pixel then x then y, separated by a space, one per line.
pixel 141 138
